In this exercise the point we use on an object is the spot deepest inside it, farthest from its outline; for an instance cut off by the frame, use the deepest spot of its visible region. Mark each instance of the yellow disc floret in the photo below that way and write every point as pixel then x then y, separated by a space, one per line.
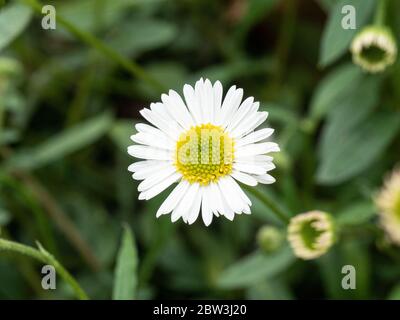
pixel 204 154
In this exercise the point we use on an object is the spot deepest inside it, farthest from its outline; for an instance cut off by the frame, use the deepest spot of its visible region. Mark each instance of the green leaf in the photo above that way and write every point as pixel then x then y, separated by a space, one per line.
pixel 336 40
pixel 358 149
pixel 13 20
pixel 125 281
pixel 60 145
pixel 395 293
pixel 336 86
pixel 356 214
pixel 256 267
pixel 361 101
pixel 140 35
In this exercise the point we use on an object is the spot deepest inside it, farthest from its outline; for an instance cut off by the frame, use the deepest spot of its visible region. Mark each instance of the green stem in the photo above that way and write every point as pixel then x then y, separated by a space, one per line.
pixel 380 15
pixel 45 257
pixel 268 203
pixel 109 52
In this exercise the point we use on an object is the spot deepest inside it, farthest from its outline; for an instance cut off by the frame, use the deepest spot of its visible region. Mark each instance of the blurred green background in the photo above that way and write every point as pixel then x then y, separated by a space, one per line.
pixel 69 99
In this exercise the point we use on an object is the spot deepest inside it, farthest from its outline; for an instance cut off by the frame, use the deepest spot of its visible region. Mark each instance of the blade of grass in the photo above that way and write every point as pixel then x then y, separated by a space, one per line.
pixel 43 256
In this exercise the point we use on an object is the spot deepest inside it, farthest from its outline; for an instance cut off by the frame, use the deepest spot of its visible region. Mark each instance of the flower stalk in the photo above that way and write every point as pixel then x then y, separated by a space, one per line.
pixel 380 16
pixel 43 256
pixel 269 203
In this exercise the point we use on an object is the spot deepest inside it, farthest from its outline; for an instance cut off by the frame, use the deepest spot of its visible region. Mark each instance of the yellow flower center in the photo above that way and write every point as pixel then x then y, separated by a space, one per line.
pixel 204 154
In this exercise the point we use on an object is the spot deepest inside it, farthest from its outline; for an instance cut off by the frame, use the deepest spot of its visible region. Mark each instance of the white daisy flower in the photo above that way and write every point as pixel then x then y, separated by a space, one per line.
pixel 388 202
pixel 374 49
pixel 311 234
pixel 205 143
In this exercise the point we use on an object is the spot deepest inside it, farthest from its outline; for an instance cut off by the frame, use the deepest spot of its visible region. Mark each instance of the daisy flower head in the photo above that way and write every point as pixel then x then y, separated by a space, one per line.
pixel 205 143
pixel 388 203
pixel 311 234
pixel 374 48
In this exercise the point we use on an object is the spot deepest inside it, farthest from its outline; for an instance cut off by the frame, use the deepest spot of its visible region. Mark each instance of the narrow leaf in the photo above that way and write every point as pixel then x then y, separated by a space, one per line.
pixel 13 20
pixel 335 39
pixel 256 267
pixel 333 88
pixel 356 151
pixel 126 269
pixel 62 144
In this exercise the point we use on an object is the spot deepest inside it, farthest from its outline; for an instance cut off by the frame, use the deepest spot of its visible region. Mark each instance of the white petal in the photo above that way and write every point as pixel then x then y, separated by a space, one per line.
pixel 249 124
pixel 265 179
pixel 160 122
pixel 149 170
pixel 194 210
pixel 217 204
pixel 145 152
pixel 207 101
pixel 227 102
pixel 173 198
pixel 249 168
pixel 229 193
pixel 253 158
pixel 155 190
pixel 192 103
pixel 198 93
pixel 227 211
pixel 181 210
pixel 142 164
pixel 156 177
pixel 161 142
pixel 256 149
pixel 247 108
pixel 206 206
pixel 230 107
pixel 244 178
pixel 177 109
pixel 255 136
pixel 218 92
pixel 146 128
pixel 239 190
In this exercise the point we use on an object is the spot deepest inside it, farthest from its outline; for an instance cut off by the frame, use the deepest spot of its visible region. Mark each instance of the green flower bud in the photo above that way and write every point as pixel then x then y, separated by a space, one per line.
pixel 269 238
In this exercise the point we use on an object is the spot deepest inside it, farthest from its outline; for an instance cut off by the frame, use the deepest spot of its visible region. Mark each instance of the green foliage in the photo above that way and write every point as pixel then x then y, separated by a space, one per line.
pixel 336 40
pixel 353 154
pixel 63 144
pixel 126 269
pixel 338 84
pixel 256 267
pixel 13 20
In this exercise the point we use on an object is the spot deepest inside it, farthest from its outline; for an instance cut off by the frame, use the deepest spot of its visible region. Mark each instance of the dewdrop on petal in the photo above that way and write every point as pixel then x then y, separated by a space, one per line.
pixel 388 203
pixel 205 143
pixel 374 48
pixel 311 234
